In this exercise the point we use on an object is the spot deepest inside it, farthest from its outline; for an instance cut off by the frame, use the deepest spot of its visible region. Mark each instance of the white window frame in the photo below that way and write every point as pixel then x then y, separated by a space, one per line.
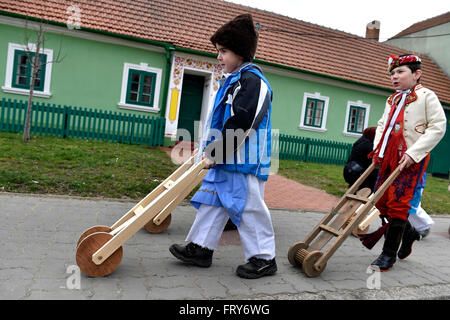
pixel 317 96
pixel 12 47
pixel 123 95
pixel 358 104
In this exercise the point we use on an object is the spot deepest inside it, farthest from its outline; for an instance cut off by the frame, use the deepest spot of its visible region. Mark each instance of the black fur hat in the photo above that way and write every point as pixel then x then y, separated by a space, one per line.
pixel 238 35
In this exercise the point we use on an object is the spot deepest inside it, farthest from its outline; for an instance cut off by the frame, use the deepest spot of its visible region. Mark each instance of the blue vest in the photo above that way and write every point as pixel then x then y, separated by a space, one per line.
pixel 253 157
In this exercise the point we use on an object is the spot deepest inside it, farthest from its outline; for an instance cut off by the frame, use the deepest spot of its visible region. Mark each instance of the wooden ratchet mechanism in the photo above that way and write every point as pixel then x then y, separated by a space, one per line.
pixel 352 214
pixel 99 248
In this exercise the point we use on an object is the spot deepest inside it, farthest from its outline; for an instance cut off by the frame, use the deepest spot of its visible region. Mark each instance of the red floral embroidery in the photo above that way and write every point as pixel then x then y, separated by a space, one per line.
pixel 396 61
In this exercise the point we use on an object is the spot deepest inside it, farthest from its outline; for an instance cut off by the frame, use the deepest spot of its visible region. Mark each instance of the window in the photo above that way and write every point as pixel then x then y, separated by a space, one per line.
pixel 140 87
pixel 18 70
pixel 357 118
pixel 22 70
pixel 314 112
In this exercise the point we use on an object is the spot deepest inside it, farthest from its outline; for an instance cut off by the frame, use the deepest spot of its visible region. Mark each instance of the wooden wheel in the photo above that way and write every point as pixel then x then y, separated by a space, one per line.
pixel 92 230
pixel 88 246
pixel 154 228
pixel 308 264
pixel 292 252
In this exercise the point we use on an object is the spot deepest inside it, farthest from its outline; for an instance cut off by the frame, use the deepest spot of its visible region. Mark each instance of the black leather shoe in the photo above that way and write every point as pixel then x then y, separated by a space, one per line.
pixel 407 242
pixel 383 263
pixel 256 268
pixel 193 253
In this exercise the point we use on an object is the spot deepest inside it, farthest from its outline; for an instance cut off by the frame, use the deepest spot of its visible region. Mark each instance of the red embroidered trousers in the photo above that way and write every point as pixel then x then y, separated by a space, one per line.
pixel 396 200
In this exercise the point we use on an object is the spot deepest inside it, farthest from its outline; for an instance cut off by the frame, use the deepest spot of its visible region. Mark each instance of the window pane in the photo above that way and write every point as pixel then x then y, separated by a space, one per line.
pixel 362 113
pixel 308 120
pixel 309 112
pixel 319 106
pixel 317 122
pixel 309 116
pixel 37 82
pixel 21 80
pixel 352 126
pixel 23 59
pixel 148 79
pixel 146 98
pixel 133 96
pixel 318 116
pixel 361 117
pixel 136 77
pixel 23 70
pixel 147 89
pixel 135 87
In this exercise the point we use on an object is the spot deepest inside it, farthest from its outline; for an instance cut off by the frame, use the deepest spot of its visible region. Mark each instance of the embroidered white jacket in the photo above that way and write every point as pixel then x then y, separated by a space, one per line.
pixel 424 122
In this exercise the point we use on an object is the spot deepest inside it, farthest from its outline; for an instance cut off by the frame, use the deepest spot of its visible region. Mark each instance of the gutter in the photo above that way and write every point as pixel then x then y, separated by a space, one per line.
pixel 169 47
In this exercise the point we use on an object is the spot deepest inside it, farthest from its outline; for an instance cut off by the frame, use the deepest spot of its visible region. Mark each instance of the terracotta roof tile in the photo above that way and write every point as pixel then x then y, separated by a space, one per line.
pixel 189 24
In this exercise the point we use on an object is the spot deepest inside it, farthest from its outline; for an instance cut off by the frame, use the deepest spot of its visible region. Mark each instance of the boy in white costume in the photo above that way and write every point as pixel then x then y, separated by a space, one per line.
pixel 413 123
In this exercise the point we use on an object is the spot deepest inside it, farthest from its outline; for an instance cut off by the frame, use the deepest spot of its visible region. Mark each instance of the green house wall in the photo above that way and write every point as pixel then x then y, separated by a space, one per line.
pixel 90 76
pixel 90 72
pixel 288 100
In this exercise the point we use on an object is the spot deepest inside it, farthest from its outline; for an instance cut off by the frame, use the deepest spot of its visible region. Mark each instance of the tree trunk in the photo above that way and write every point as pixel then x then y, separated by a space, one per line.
pixel 34 69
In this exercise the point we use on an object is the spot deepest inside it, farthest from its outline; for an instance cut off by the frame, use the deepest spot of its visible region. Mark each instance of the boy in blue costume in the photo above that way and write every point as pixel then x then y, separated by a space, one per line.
pixel 236 146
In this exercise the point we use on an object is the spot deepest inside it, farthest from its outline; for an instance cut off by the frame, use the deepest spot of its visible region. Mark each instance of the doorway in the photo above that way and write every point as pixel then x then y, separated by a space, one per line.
pixel 191 103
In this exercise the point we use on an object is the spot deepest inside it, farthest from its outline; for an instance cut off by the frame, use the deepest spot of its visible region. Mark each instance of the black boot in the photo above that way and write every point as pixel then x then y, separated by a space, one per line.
pixel 193 253
pixel 393 238
pixel 257 268
pixel 383 263
pixel 409 236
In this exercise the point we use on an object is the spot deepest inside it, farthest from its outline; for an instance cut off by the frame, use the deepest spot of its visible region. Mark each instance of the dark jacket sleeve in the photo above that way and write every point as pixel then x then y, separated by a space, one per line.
pixel 245 102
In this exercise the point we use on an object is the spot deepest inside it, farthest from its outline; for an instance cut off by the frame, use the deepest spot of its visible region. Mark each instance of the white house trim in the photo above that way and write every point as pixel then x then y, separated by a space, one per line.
pixel 184 63
pixel 318 96
pixel 123 93
pixel 359 104
pixel 31 47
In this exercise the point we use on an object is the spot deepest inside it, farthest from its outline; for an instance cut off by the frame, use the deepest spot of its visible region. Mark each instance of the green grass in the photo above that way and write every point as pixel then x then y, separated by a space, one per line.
pixel 88 168
pixel 435 199
pixel 80 167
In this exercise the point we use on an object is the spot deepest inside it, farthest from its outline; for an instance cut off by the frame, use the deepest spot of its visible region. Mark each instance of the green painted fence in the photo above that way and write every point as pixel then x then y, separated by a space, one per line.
pixel 299 148
pixel 75 122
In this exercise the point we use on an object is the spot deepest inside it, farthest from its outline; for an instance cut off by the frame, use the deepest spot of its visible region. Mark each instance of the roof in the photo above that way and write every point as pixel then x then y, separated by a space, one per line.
pixel 425 24
pixel 282 40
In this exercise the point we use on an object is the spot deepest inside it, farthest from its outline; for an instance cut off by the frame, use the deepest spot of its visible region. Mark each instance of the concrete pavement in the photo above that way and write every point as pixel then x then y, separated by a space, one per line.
pixel 38 236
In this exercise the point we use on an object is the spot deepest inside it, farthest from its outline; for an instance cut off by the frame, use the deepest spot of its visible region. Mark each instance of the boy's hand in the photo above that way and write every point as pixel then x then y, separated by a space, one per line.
pixel 405 162
pixel 209 163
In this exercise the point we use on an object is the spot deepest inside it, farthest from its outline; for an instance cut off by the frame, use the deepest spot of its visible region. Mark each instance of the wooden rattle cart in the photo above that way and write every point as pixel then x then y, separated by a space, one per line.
pixel 99 248
pixel 345 218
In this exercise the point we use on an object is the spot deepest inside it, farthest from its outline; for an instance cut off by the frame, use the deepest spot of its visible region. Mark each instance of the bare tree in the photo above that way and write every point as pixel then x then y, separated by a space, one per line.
pixel 36 64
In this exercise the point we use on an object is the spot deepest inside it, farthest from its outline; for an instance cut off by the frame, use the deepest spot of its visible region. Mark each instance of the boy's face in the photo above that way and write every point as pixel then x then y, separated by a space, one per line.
pixel 403 78
pixel 228 59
